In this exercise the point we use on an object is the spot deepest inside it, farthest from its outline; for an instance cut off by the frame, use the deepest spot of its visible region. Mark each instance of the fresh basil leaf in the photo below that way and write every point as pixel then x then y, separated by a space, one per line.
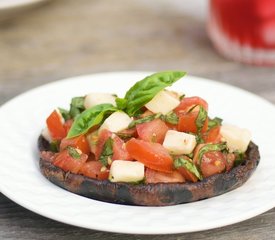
pixel 239 158
pixel 210 148
pixel 143 91
pixel 171 118
pixel 107 152
pixel 77 106
pixel 121 103
pixel 201 118
pixel 182 97
pixel 65 113
pixel 214 122
pixel 73 152
pixel 89 118
pixel 188 165
pixel 144 120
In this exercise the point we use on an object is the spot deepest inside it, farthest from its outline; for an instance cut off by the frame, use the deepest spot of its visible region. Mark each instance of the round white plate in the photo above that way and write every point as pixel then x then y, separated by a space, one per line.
pixel 22 119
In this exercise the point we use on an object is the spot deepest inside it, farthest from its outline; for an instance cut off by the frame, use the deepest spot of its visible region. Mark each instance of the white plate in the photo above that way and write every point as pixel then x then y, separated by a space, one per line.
pixel 22 119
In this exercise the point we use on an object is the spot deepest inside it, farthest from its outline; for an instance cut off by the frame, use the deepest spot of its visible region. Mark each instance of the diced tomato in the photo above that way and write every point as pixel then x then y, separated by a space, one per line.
pixel 93 169
pixel 188 102
pixel 55 126
pixel 119 149
pixel 187 175
pixel 102 138
pixel 153 131
pixel 67 125
pixel 152 176
pixel 66 162
pixel 230 159
pixel 47 155
pixel 79 142
pixel 213 135
pixel 212 162
pixel 187 122
pixel 152 155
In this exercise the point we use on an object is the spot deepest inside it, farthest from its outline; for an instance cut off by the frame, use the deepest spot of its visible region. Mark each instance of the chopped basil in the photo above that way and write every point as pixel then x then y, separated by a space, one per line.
pixel 145 90
pixel 182 97
pixel 89 118
pixel 210 148
pixel 77 106
pixel 239 158
pixel 201 118
pixel 214 122
pixel 172 118
pixel 144 120
pixel 188 165
pixel 107 152
pixel 73 152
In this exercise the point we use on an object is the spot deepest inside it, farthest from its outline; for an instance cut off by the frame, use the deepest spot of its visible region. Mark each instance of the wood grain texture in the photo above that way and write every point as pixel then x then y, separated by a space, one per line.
pixel 66 38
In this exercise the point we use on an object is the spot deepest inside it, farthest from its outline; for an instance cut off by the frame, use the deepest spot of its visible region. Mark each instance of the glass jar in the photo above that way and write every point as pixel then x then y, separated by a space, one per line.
pixel 243 30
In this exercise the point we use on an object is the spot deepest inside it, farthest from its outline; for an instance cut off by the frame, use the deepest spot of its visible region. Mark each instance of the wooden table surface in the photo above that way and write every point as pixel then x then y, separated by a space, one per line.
pixel 66 38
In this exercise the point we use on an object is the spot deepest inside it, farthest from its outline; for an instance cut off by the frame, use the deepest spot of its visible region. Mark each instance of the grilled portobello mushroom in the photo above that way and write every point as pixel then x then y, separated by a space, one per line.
pixel 157 194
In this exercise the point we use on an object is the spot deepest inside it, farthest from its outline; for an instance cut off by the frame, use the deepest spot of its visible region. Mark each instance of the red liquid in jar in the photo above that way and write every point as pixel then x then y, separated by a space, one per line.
pixel 244 23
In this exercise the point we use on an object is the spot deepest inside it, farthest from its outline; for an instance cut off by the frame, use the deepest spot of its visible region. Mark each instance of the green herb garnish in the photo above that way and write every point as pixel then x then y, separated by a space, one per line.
pixel 145 90
pixel 107 152
pixel 89 118
pixel 188 165
pixel 73 152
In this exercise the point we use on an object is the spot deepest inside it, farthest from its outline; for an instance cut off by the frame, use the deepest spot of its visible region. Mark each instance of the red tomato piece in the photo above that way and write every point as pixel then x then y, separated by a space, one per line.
pixel 79 142
pixel 66 162
pixel 152 176
pixel 187 122
pixel 153 131
pixel 188 102
pixel 47 155
pixel 119 149
pixel 55 126
pixel 93 169
pixel 212 162
pixel 213 135
pixel 152 155
pixel 230 159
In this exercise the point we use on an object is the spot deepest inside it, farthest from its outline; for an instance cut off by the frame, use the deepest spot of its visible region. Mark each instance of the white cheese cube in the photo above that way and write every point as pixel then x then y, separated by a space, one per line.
pixel 93 99
pixel 46 134
pixel 237 139
pixel 126 171
pixel 179 142
pixel 163 103
pixel 116 122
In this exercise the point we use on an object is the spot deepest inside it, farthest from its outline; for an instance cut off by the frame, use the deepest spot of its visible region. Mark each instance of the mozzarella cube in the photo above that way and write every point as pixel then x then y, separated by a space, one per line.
pixel 116 122
pixel 163 103
pixel 93 99
pixel 237 139
pixel 46 134
pixel 179 142
pixel 126 171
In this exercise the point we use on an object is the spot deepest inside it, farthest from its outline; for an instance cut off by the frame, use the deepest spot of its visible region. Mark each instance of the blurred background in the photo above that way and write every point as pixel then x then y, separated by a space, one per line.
pixel 56 39
pixel 231 41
